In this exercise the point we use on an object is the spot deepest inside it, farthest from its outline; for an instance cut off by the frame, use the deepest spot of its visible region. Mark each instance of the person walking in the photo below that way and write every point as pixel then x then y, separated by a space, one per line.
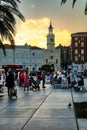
pixel 43 79
pixel 10 82
pixel 26 82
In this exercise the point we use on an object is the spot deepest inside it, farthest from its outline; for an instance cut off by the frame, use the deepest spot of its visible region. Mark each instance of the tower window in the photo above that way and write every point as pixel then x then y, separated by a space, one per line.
pixel 51 51
pixel 51 39
pixel 51 57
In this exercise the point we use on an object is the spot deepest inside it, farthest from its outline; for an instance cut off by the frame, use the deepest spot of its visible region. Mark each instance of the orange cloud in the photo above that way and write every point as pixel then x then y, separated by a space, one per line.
pixel 63 38
pixel 34 32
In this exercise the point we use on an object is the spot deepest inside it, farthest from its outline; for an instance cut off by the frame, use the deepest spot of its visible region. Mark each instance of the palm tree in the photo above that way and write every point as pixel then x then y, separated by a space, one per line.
pixel 8 9
pixel 73 3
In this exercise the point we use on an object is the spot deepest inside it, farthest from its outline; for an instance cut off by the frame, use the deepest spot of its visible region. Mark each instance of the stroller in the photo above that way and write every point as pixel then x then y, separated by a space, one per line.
pixel 34 84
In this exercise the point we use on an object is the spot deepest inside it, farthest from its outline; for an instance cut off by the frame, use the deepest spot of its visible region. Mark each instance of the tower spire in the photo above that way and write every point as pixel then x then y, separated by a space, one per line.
pixel 50 28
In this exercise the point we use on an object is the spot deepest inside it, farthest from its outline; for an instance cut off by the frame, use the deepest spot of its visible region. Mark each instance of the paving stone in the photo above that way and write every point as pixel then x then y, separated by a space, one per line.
pixel 12 123
pixel 51 124
pixel 16 113
pixel 46 109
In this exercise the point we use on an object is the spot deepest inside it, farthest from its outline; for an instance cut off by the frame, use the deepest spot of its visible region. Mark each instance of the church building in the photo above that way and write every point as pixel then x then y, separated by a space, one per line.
pixel 33 57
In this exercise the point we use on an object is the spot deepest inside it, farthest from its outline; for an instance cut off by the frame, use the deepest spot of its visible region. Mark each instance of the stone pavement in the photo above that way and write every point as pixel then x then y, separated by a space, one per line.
pixel 46 109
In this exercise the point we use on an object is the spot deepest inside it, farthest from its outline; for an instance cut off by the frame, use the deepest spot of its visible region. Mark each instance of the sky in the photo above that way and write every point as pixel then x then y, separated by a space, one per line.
pixel 39 13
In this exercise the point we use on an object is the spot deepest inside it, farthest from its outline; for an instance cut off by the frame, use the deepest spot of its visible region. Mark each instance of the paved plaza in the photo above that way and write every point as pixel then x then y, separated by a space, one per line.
pixel 46 109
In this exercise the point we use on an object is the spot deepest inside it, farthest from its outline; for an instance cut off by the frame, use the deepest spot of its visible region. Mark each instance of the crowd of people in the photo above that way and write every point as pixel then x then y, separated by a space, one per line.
pixel 72 80
pixel 27 81
pixel 24 80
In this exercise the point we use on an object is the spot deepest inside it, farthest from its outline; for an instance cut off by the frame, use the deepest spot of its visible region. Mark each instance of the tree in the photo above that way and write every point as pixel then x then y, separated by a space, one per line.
pixel 46 67
pixel 73 3
pixel 8 9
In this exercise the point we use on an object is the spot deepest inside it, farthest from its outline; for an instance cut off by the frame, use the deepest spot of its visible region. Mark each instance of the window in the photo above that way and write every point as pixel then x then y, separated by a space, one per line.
pixel 51 39
pixel 33 54
pixel 33 68
pixel 76 38
pixel 76 44
pixel 82 38
pixel 79 41
pixel 82 58
pixel 76 58
pixel 82 44
pixel 76 51
pixel 82 51
pixel 46 61
pixel 56 61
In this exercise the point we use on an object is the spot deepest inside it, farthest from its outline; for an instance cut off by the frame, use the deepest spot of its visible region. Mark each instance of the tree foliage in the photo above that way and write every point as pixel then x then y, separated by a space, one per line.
pixel 73 3
pixel 46 68
pixel 8 11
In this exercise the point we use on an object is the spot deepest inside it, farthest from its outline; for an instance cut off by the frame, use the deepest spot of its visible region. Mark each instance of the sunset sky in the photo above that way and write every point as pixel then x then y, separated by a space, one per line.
pixel 38 14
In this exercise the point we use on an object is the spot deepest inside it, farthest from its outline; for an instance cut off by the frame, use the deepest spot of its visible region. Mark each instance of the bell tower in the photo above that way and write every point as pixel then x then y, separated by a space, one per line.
pixel 50 53
pixel 50 38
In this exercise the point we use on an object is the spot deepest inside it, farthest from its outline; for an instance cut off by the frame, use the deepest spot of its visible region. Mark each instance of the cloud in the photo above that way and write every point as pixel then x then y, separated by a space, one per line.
pixel 34 32
pixel 63 38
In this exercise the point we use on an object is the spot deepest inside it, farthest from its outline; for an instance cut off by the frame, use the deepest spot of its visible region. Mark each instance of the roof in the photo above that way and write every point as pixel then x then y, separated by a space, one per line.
pixel 79 34
pixel 36 48
pixel 8 46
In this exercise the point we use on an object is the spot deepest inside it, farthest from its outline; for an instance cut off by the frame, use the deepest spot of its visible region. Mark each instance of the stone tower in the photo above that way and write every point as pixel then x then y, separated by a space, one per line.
pixel 51 54
pixel 50 46
pixel 50 39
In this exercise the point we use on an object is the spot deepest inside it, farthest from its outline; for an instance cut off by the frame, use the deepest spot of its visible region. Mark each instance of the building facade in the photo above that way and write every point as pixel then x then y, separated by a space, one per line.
pixel 79 50
pixel 27 56
pixel 65 56
pixel 33 57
